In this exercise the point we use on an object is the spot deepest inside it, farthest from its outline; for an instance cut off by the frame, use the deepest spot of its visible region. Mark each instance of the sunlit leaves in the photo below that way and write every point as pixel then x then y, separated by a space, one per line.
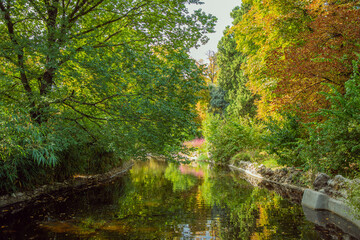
pixel 295 46
pixel 111 73
pixel 267 26
pixel 324 56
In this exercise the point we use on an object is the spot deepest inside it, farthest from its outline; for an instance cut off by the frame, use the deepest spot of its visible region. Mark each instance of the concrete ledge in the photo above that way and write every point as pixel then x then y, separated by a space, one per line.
pixel 315 200
pixel 291 192
pixel 329 220
pixel 319 201
pixel 343 210
pixel 311 199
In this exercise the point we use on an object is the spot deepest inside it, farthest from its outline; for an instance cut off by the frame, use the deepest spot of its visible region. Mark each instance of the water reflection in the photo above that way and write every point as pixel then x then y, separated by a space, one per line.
pixel 332 226
pixel 167 201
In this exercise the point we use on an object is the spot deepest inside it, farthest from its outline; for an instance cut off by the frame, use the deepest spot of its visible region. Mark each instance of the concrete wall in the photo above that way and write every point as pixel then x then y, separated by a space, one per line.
pixel 319 201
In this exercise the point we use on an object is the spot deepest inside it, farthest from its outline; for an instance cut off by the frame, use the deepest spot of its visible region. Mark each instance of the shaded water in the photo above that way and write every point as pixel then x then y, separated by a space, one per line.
pixel 156 200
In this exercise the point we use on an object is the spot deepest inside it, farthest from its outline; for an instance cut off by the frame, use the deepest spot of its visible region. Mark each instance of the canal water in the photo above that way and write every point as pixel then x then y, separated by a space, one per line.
pixel 156 200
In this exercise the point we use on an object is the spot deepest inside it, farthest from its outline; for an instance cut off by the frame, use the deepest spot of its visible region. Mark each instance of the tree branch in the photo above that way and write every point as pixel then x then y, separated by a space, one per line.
pixel 37 9
pixel 84 114
pixel 20 55
pixel 73 18
pixel 111 21
pixel 84 128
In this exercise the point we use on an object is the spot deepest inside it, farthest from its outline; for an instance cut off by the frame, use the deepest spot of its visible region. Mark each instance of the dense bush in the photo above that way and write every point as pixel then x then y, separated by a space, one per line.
pixel 25 173
pixel 335 142
pixel 33 154
pixel 354 198
pixel 283 139
pixel 227 137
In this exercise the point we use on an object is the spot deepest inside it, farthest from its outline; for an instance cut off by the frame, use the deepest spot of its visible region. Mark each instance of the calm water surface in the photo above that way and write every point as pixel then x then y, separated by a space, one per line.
pixel 156 200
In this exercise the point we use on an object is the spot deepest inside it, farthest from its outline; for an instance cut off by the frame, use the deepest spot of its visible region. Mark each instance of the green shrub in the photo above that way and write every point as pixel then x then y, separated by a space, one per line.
pixel 331 145
pixel 202 157
pixel 33 154
pixel 334 144
pixel 242 156
pixel 227 137
pixel 283 139
pixel 271 163
pixel 354 198
pixel 20 173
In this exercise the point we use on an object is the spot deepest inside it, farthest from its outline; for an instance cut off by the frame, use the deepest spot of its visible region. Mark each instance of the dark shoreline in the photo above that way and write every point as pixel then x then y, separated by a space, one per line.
pixel 16 202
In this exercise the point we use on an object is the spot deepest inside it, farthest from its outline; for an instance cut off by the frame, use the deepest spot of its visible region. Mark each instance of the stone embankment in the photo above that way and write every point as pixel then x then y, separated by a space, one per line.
pixel 336 187
pixel 320 193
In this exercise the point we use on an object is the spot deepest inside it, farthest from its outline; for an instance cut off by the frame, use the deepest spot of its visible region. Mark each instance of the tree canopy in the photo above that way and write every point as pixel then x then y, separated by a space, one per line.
pixel 293 47
pixel 110 72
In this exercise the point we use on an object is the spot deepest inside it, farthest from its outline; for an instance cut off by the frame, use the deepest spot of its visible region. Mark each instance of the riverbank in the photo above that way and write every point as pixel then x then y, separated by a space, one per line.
pixel 160 200
pixel 321 193
pixel 15 202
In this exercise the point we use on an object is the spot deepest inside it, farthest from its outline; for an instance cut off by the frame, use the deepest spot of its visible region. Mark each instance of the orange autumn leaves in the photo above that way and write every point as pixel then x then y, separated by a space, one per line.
pixel 295 48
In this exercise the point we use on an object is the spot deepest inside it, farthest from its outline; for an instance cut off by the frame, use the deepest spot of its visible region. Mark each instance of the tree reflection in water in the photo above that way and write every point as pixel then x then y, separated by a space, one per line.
pixel 156 200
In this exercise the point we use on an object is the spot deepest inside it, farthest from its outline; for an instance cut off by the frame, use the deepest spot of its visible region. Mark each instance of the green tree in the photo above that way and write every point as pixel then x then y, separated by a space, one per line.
pixel 268 26
pixel 110 73
pixel 217 103
pixel 231 77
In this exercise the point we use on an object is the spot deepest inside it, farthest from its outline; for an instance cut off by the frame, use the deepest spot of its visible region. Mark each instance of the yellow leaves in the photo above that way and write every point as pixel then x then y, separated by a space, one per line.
pixel 201 109
pixel 268 34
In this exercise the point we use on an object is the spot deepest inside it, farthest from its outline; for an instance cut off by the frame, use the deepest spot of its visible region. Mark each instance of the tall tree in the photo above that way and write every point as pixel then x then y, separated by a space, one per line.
pixel 268 25
pixel 324 55
pixel 231 76
pixel 115 70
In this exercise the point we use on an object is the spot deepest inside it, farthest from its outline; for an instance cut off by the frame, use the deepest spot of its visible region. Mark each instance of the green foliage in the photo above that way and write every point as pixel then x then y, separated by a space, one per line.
pixel 20 173
pixel 218 103
pixel 227 137
pixel 242 156
pixel 334 145
pixel 231 77
pixel 24 173
pixel 283 139
pixel 76 76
